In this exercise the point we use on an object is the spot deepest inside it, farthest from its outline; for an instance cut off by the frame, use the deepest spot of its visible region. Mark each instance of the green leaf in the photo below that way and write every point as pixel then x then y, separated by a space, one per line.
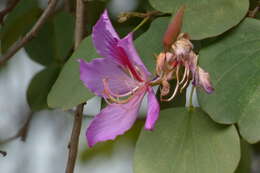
pixel 68 91
pixel 40 86
pixel 206 18
pixel 187 142
pixel 234 65
pixel 150 43
pixel 246 158
pixel 18 22
pixel 54 41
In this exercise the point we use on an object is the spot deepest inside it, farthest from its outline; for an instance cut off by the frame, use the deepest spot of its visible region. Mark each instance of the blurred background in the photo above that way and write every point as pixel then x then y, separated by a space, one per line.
pixel 46 136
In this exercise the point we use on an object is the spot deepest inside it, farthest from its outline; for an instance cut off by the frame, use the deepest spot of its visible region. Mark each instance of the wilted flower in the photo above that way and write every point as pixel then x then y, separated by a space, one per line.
pixel 178 52
pixel 121 78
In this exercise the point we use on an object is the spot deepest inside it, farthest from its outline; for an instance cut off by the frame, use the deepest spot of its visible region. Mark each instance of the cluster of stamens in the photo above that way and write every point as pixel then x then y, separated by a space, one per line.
pixel 112 97
pixel 169 63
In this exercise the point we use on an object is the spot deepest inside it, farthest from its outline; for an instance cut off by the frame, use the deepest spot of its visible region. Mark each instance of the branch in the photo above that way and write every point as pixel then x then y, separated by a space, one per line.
pixel 21 133
pixel 31 34
pixel 4 153
pixel 74 139
pixel 80 31
pixel 10 6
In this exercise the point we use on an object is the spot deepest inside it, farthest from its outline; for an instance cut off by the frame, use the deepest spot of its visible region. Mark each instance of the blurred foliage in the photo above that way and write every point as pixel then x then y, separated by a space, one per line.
pixel 54 41
pixel 40 86
pixel 18 22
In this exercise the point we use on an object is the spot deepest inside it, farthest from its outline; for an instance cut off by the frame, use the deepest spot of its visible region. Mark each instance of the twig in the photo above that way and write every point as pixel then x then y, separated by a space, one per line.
pixel 21 133
pixel 126 15
pixel 31 34
pixel 80 30
pixel 140 24
pixel 74 139
pixel 9 7
pixel 67 5
pixel 254 11
pixel 4 153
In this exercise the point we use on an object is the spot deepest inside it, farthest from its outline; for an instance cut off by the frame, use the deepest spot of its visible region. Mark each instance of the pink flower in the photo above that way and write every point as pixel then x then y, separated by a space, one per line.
pixel 122 79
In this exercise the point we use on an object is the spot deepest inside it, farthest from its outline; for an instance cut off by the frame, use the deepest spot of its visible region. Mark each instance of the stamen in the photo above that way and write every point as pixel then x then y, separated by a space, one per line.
pixel 156 81
pixel 176 88
pixel 140 72
pixel 130 73
pixel 115 98
pixel 187 81
pixel 107 101
pixel 184 76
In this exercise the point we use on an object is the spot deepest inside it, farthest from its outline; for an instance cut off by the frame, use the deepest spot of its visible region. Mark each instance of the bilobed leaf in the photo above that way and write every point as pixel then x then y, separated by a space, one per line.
pixel 187 142
pixel 150 43
pixel 18 21
pixel 54 40
pixel 234 65
pixel 206 18
pixel 68 91
pixel 40 86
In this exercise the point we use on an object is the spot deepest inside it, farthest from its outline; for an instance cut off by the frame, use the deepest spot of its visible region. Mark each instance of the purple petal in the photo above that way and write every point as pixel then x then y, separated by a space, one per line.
pixel 104 36
pixel 114 120
pixel 93 73
pixel 202 79
pixel 122 52
pixel 153 110
pixel 128 45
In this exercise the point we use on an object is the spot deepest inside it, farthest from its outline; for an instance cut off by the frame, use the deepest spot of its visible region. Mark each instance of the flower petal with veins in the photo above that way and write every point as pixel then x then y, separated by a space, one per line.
pixel 92 74
pixel 114 120
pixel 128 45
pixel 104 36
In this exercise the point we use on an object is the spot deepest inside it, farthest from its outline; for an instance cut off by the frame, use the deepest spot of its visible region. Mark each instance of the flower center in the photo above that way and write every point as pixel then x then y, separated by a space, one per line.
pixel 115 97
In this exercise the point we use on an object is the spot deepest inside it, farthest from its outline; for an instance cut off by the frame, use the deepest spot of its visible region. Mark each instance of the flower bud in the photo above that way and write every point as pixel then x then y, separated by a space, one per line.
pixel 173 29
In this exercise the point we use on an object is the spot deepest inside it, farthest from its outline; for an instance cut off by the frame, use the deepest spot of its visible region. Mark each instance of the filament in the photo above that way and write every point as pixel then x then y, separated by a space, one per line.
pixel 184 76
pixel 115 98
pixel 176 88
pixel 186 82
